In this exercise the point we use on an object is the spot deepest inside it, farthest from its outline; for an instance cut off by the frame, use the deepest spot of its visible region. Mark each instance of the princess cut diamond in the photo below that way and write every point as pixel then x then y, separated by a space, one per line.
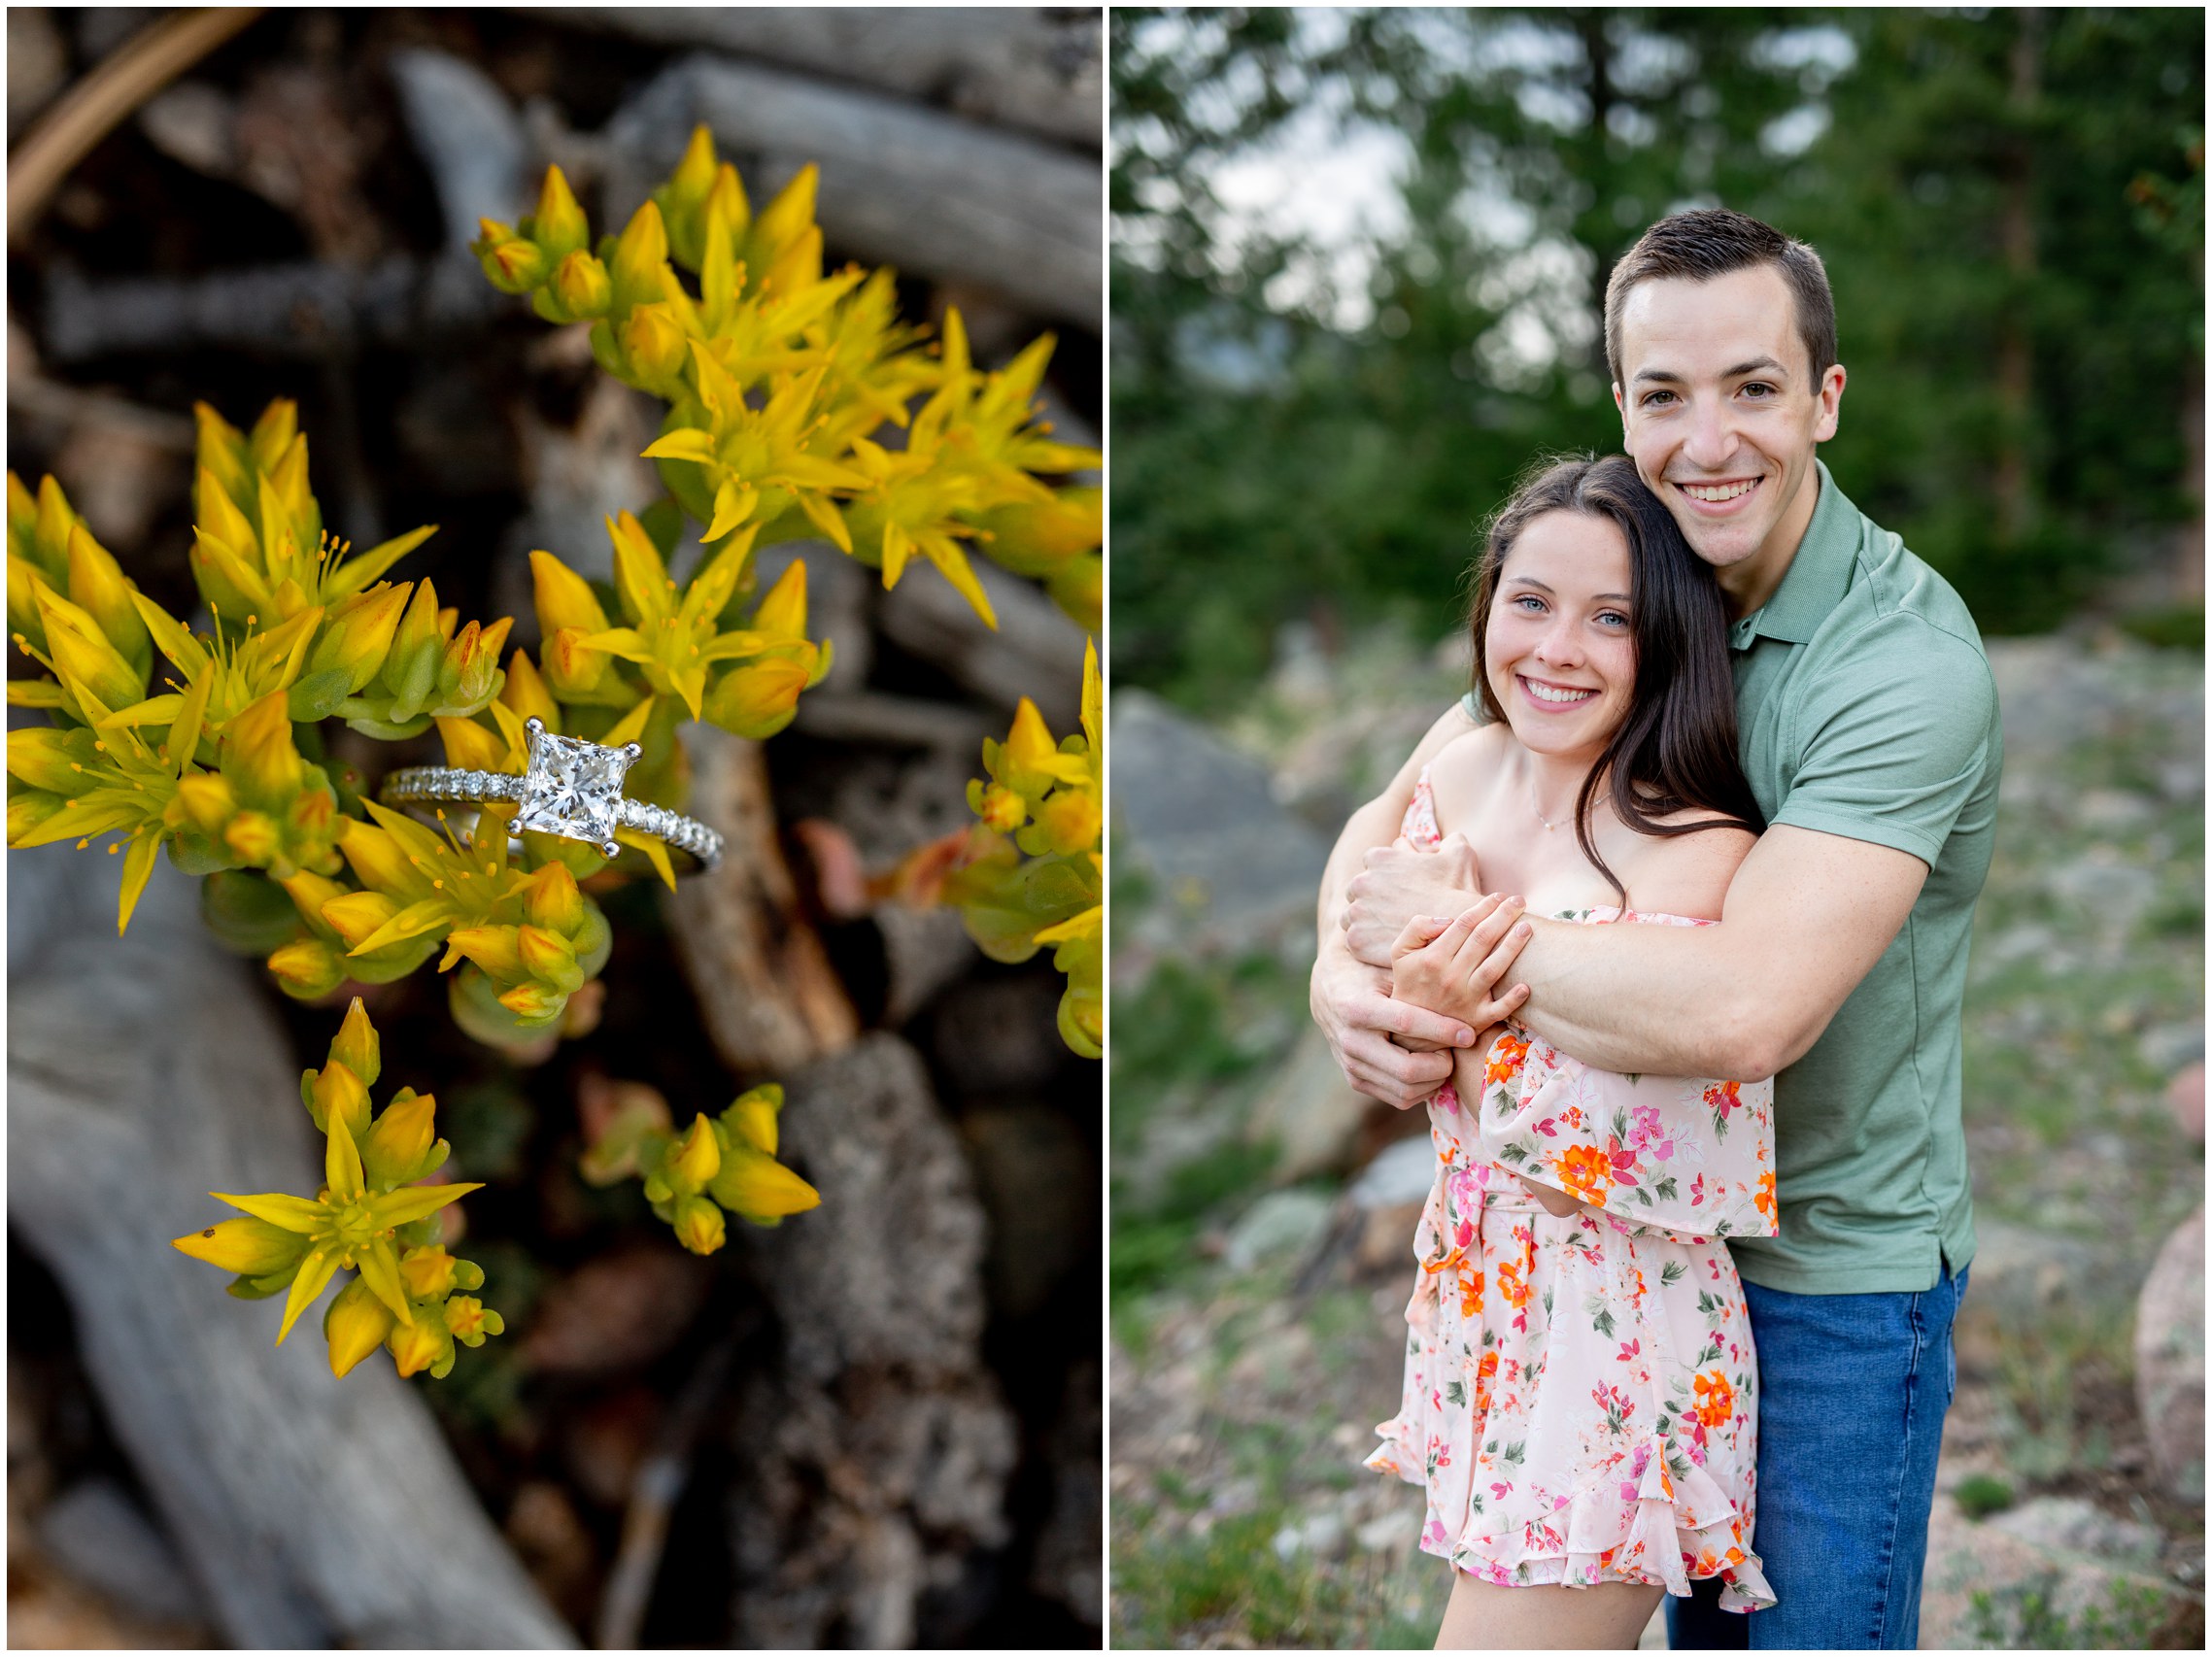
pixel 571 788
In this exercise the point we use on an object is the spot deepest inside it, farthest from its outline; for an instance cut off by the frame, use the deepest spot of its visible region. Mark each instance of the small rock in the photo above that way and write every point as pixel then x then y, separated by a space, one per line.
pixel 2169 1358
pixel 1400 1173
pixel 2115 892
pixel 99 1536
pixel 1274 1363
pixel 1320 1535
pixel 1391 1533
pixel 2166 1047
pixel 2072 1527
pixel 2112 811
pixel 1277 1229
pixel 193 123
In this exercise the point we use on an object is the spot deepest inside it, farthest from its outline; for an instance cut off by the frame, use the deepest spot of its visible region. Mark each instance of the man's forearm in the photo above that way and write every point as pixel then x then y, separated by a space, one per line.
pixel 1645 1000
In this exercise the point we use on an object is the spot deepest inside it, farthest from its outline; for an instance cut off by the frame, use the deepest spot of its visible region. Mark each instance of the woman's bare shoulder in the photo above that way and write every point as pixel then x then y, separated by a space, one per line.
pixel 1470 754
pixel 1688 874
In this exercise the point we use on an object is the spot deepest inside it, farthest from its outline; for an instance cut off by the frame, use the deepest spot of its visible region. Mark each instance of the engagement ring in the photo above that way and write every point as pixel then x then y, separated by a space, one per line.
pixel 570 787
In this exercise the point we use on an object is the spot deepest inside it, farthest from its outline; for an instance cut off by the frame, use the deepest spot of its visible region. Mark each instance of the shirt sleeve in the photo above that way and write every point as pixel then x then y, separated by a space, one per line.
pixel 1893 744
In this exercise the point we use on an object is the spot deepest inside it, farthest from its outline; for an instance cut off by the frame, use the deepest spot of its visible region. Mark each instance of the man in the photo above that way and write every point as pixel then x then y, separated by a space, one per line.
pixel 1868 729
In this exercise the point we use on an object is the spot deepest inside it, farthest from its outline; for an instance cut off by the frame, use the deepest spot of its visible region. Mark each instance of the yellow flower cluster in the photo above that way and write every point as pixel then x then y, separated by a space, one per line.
pixel 1032 873
pixel 781 378
pixel 727 1162
pixel 371 1216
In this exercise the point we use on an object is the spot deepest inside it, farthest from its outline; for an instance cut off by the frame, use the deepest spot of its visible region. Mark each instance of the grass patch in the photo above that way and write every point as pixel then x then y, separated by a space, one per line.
pixel 2027 1617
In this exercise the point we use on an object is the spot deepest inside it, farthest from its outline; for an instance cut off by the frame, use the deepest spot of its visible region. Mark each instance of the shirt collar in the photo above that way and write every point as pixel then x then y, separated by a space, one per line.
pixel 1818 576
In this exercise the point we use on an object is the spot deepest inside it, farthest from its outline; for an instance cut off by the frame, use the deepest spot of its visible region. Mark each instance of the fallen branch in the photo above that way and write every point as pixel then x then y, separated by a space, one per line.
pixel 1012 66
pixel 144 1072
pixel 929 192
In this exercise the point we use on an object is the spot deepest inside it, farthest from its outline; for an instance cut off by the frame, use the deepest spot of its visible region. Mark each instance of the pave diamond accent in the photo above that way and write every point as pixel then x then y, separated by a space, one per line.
pixel 571 788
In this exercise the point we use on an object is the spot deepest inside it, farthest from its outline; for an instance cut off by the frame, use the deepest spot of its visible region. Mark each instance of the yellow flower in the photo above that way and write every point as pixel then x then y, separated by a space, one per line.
pixel 355 1325
pixel 349 1225
pixel 760 1187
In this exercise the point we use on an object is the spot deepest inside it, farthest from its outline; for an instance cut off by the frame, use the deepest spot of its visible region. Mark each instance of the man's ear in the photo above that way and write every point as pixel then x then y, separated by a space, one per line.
pixel 1830 399
pixel 1620 404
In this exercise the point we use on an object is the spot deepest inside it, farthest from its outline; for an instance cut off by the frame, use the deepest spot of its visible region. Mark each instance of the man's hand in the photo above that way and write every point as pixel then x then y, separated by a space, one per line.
pixel 1396 883
pixel 1458 966
pixel 1353 1004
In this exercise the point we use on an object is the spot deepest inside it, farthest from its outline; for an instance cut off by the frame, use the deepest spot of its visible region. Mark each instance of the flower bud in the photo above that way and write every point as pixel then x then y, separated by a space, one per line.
pixel 402 1147
pixel 559 226
pixel 247 1246
pixel 695 1158
pixel 1070 820
pixel 759 1186
pixel 338 1091
pixel 252 837
pixel 550 958
pixel 259 756
pixel 468 675
pixel 48 757
pixel 699 1225
pixel 356 1045
pixel 654 342
pixel 468 1320
pixel 207 800
pixel 563 598
pixel 758 698
pixel 582 285
pixel 419 1346
pixel 357 637
pixel 552 900
pixel 535 1003
pixel 82 658
pixel 429 1272
pixel 999 807
pixel 573 668
pixel 641 258
pixel 781 613
pixel 751 1118
pixel 355 1325
pixel 683 198
pixel 514 264
pixel 97 585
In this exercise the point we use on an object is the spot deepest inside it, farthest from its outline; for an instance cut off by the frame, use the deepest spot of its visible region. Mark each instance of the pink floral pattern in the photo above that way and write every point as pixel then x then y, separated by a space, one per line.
pixel 1581 1391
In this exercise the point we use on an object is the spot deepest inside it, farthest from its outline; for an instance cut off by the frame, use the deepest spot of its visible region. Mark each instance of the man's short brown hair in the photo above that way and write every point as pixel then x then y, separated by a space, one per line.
pixel 1709 242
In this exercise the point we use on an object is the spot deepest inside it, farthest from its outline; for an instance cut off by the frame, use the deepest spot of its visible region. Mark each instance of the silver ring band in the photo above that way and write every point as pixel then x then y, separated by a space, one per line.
pixel 555 801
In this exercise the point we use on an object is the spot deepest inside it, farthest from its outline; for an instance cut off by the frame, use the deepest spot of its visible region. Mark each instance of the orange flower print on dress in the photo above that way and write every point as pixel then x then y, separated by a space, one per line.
pixel 1764 1196
pixel 1485 1374
pixel 1716 1398
pixel 1506 1056
pixel 1470 1291
pixel 1586 1173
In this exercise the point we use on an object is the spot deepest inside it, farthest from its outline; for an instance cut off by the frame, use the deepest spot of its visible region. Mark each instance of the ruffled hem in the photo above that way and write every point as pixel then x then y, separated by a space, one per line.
pixel 1667 1538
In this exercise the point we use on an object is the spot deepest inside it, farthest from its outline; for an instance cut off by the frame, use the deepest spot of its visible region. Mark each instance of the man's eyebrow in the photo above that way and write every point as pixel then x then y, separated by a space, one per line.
pixel 1757 365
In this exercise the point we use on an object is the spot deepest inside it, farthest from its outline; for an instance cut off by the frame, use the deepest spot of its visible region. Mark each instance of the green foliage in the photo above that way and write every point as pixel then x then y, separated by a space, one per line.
pixel 1982 1495
pixel 2009 207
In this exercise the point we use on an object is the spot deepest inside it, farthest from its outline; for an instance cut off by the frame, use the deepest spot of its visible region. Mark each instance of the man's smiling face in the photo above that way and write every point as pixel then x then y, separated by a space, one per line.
pixel 1721 414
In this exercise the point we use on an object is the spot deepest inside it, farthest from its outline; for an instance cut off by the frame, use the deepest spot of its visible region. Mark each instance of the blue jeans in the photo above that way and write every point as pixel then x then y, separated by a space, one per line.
pixel 1852 1391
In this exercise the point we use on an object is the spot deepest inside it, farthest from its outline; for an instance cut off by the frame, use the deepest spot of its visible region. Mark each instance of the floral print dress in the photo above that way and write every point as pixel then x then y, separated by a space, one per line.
pixel 1581 1391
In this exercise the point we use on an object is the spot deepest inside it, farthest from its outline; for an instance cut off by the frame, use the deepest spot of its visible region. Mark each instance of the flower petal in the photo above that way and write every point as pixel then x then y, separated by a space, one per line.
pixel 403 1206
pixel 315 1273
pixel 292 1213
pixel 380 1270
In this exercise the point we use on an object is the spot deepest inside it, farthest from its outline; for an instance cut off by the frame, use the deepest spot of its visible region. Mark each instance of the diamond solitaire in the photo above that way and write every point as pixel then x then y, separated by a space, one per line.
pixel 569 787
pixel 573 788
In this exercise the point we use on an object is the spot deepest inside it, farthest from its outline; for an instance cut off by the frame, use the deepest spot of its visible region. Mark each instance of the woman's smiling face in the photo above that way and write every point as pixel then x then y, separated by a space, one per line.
pixel 1558 648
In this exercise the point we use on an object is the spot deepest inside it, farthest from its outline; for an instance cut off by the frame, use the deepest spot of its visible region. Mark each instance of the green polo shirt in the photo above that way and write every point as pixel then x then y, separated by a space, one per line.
pixel 1865 709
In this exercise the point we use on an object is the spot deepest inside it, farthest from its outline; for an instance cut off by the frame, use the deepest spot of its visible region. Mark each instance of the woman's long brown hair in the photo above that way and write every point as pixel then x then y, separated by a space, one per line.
pixel 1675 749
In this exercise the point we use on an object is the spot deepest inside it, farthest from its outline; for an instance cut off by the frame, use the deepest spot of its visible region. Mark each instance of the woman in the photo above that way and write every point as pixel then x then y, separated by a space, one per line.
pixel 1579 1380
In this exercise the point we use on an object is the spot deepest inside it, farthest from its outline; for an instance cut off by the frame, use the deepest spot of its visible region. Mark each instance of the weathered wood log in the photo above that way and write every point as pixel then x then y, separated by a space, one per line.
pixel 1031 69
pixel 771 1001
pixel 929 192
pixel 876 1459
pixel 305 310
pixel 1036 650
pixel 143 1074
